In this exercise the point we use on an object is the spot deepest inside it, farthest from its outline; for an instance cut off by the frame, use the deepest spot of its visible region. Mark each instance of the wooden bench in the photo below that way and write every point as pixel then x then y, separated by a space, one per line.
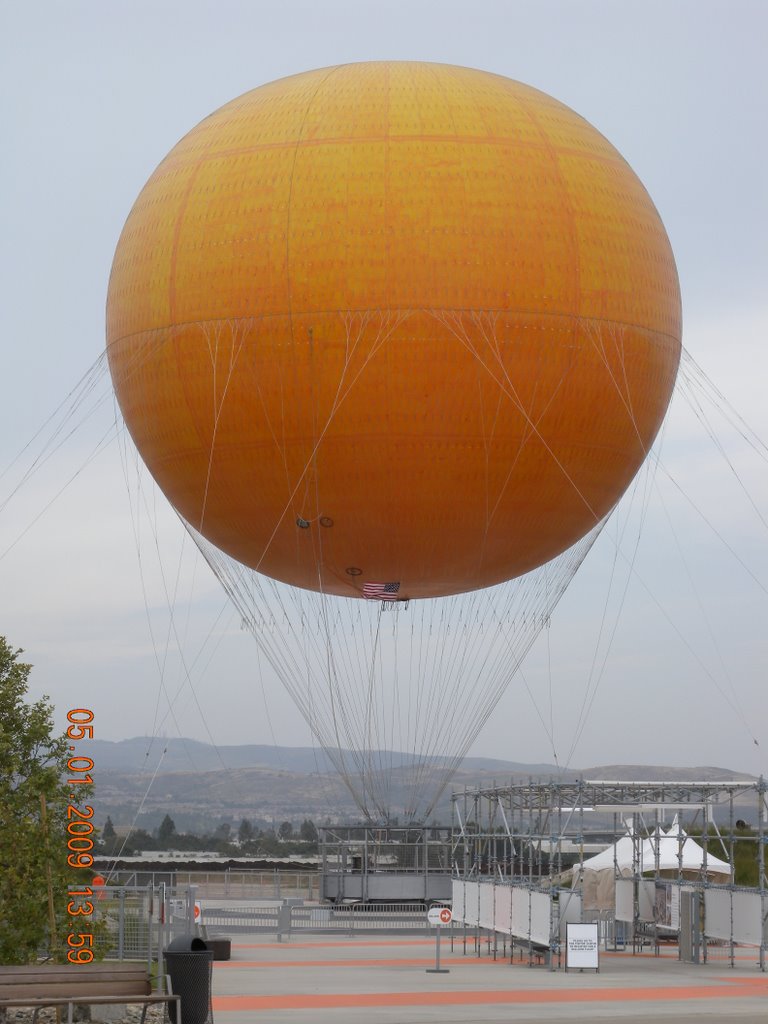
pixel 70 985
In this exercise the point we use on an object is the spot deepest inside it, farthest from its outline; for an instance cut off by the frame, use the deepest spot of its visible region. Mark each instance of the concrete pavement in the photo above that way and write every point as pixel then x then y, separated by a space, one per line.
pixel 384 980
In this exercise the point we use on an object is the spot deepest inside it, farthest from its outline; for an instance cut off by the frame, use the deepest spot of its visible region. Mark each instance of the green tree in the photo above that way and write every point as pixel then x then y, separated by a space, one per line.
pixel 269 843
pixel 307 831
pixel 286 830
pixel 245 833
pixel 746 851
pixel 33 850
pixel 139 841
pixel 108 836
pixel 166 831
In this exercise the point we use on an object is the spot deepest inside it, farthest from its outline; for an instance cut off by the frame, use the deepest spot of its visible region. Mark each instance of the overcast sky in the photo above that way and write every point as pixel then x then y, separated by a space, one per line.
pixel 97 91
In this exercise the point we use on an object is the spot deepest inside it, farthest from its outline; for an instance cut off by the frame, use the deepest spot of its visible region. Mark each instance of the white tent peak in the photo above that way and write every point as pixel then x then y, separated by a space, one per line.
pixel 674 854
pixel 676 851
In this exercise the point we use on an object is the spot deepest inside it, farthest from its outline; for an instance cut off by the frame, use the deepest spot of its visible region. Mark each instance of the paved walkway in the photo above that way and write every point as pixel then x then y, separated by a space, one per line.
pixel 384 980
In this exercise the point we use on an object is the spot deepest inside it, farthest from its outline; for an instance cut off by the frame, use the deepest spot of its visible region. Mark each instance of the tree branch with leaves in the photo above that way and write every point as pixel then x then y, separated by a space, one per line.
pixel 34 797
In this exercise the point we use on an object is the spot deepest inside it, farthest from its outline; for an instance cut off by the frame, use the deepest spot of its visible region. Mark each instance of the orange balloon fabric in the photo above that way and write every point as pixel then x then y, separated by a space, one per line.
pixel 393 322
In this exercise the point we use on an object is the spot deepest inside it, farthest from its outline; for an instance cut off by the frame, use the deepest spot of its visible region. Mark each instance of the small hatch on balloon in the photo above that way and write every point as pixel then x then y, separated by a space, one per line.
pixel 302 523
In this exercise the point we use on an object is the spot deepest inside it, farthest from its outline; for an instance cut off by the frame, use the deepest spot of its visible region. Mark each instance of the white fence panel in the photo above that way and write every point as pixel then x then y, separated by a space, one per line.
pixel 509 910
pixel 743 909
pixel 570 910
pixel 521 912
pixel 470 903
pixel 541 908
pixel 487 917
pixel 458 899
pixel 503 908
pixel 625 899
pixel 646 899
pixel 674 908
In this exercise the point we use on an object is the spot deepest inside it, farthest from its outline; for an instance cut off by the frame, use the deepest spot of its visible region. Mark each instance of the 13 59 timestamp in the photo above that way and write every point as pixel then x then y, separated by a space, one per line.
pixel 79 839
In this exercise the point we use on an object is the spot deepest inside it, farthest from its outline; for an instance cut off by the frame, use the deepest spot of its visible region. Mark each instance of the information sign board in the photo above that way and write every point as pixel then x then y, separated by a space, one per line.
pixel 439 916
pixel 581 947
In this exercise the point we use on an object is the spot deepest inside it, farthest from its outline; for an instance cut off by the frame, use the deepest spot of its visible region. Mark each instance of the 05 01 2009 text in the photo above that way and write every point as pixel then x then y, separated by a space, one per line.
pixel 79 839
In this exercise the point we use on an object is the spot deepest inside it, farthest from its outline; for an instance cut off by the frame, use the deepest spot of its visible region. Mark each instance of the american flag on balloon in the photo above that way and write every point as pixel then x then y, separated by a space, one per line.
pixel 381 591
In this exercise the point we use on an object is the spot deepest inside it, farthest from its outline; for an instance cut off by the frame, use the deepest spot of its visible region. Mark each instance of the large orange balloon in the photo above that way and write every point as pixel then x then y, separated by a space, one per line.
pixel 393 322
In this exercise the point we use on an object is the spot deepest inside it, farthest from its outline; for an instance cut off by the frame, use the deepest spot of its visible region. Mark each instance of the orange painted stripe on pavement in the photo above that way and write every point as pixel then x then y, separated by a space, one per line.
pixel 727 990
pixel 377 962
pixel 336 943
pixel 672 953
pixel 470 956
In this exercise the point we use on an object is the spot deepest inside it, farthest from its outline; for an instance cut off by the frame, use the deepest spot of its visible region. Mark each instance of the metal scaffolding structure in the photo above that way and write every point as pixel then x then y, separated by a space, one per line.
pixel 534 834
pixel 367 863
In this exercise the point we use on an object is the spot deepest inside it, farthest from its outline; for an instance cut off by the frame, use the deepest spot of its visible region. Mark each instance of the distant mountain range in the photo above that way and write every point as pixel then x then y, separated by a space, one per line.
pixel 185 755
pixel 202 786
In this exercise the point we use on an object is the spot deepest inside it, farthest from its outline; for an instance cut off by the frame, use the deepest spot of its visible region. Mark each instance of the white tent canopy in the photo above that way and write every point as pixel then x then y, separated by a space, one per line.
pixel 671 845
pixel 622 856
pixel 674 853
pixel 677 851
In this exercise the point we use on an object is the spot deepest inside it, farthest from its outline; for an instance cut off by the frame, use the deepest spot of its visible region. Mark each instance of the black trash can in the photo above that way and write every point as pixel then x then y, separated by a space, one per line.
pixel 189 962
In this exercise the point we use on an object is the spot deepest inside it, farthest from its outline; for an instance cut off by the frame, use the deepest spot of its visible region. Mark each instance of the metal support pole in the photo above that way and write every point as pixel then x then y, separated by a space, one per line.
pixel 121 925
pixel 191 899
pixel 150 915
pixel 162 921
pixel 732 947
pixel 761 841
pixel 437 969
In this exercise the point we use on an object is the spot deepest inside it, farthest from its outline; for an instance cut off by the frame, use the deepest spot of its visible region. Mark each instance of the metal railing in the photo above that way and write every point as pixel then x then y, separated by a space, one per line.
pixel 356 918
pixel 138 923
pixel 235 884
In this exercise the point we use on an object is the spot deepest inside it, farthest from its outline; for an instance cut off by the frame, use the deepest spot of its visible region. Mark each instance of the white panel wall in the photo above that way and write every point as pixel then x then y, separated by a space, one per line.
pixel 540 917
pixel 521 912
pixel 472 904
pixel 503 908
pixel 674 910
pixel 509 910
pixel 625 899
pixel 464 901
pixel 487 890
pixel 457 899
pixel 717 910
pixel 646 898
pixel 743 908
pixel 570 910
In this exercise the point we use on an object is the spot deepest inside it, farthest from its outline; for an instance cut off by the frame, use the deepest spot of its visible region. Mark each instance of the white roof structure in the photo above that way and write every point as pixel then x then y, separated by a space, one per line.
pixel 692 855
pixel 621 855
pixel 678 854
